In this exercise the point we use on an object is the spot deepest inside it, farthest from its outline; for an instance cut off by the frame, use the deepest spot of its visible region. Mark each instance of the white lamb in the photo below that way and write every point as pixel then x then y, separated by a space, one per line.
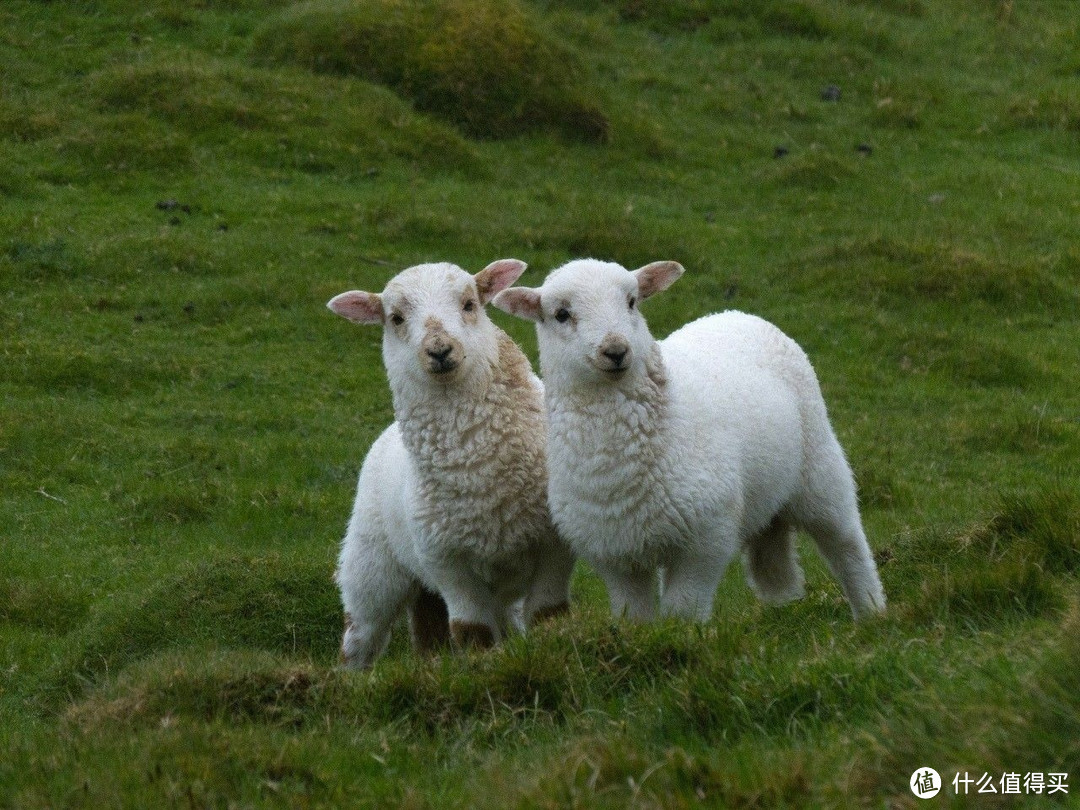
pixel 452 497
pixel 669 458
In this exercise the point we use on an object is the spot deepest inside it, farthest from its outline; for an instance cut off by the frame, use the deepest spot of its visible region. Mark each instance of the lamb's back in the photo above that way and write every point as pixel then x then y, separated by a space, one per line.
pixel 741 393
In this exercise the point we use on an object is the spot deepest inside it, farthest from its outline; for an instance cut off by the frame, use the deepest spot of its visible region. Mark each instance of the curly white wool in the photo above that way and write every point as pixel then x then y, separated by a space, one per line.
pixel 451 500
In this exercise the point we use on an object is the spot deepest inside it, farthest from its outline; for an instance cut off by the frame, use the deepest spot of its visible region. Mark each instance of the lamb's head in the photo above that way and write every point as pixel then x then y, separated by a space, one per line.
pixel 588 325
pixel 435 331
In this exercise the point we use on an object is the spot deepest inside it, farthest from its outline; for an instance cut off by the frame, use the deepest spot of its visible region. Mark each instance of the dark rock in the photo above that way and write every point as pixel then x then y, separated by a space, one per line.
pixel 830 93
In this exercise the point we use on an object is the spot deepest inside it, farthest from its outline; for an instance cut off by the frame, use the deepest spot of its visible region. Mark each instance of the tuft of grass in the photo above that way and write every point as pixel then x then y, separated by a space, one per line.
pixel 1056 697
pixel 234 686
pixel 1001 567
pixel 1056 109
pixel 900 273
pixel 224 601
pixel 1047 520
pixel 43 605
pixel 191 96
pixel 812 171
pixel 880 488
pixel 50 259
pixel 975 599
pixel 488 66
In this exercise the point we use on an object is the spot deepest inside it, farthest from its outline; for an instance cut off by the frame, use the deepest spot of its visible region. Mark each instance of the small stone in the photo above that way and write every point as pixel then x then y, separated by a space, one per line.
pixel 864 149
pixel 830 93
pixel 779 152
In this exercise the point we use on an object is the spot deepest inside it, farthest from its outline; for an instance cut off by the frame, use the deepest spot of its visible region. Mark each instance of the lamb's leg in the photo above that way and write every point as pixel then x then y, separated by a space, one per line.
pixel 772 565
pixel 374 589
pixel 429 624
pixel 513 619
pixel 829 510
pixel 689 586
pixel 631 591
pixel 843 545
pixel 549 594
pixel 474 612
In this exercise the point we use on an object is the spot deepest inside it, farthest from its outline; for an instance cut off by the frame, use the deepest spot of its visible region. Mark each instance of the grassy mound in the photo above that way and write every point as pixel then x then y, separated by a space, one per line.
pixel 899 273
pixel 486 65
pixel 223 601
pixel 1002 567
pixel 319 127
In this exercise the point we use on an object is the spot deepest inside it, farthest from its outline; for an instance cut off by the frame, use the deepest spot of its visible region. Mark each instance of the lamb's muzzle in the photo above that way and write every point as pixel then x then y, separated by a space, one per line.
pixel 613 355
pixel 440 353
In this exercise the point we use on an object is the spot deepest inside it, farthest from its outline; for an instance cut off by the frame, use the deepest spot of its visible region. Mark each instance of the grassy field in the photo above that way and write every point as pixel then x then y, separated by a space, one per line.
pixel 184 184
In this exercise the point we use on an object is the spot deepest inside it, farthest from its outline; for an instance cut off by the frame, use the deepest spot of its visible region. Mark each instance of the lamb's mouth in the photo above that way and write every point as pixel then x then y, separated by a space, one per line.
pixel 608 369
pixel 443 367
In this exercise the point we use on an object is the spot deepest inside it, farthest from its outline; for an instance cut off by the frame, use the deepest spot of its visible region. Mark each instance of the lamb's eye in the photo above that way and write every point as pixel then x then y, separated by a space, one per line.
pixel 469 305
pixel 562 314
pixel 632 301
pixel 397 319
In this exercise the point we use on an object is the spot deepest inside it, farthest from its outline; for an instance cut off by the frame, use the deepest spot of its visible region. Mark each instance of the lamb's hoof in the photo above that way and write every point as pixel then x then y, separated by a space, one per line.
pixel 472 634
pixel 550 612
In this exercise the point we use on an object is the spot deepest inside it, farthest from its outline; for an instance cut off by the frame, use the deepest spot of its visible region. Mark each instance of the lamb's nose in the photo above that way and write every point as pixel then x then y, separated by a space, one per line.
pixel 615 355
pixel 439 355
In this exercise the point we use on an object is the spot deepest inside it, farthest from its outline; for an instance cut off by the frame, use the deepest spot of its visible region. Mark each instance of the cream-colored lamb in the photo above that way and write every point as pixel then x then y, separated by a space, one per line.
pixel 452 497
pixel 670 458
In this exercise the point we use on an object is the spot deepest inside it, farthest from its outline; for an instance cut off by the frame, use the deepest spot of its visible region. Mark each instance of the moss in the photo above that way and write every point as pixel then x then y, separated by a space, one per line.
pixel 489 66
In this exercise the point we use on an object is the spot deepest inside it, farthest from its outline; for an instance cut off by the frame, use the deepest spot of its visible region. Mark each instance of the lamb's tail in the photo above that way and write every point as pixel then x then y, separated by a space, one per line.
pixel 772 566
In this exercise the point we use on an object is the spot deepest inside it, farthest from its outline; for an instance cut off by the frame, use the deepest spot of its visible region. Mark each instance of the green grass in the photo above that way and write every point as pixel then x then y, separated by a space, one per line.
pixel 183 186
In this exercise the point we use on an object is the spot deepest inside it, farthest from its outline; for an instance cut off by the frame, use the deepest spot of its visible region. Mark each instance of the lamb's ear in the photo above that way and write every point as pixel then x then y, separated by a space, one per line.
pixel 496 277
pixel 521 301
pixel 657 277
pixel 358 307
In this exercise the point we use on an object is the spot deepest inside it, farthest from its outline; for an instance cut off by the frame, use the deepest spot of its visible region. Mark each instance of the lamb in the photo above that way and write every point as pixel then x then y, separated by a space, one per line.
pixel 450 517
pixel 668 458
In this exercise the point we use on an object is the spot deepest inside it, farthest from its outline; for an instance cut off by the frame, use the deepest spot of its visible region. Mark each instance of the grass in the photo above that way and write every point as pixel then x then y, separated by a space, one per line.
pixel 182 187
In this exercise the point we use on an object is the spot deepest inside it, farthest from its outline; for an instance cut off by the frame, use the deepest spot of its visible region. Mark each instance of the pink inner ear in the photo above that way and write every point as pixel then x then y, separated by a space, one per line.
pixel 519 301
pixel 358 307
pixel 657 277
pixel 497 276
